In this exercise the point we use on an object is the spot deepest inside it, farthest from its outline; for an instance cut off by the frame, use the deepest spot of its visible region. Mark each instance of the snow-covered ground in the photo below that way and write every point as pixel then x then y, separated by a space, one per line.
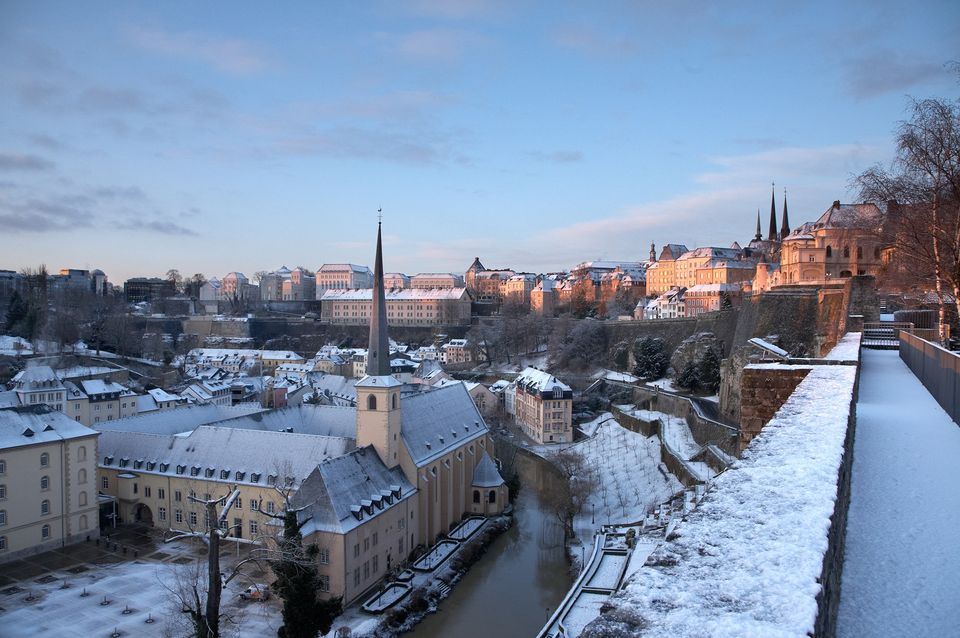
pixel 137 586
pixel 613 375
pixel 901 574
pixel 747 560
pixel 630 479
pixel 663 384
pixel 13 346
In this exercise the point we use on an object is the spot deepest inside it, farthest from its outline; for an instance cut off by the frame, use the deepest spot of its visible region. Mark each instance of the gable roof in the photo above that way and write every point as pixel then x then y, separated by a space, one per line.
pixel 435 422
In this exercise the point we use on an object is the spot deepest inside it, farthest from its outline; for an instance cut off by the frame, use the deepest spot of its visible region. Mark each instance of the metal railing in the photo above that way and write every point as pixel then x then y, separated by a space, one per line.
pixel 886 334
pixel 937 368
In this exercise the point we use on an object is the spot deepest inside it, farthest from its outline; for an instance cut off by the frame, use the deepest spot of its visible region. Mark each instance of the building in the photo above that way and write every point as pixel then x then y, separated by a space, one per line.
pixel 235 285
pixel 395 280
pixel 38 385
pixel 687 265
pixel 456 351
pixel 845 241
pixel 661 275
pixel 543 297
pixel 543 407
pixel 210 295
pixel 669 305
pixel 517 288
pixel 208 393
pixel 140 289
pixel 711 298
pixel 414 307
pixel 301 284
pixel 92 401
pixel 271 284
pixel 48 481
pixel 431 280
pixel 486 285
pixel 342 276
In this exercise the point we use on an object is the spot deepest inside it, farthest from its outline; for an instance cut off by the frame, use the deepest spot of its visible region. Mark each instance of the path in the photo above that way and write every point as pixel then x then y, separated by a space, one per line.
pixel 901 574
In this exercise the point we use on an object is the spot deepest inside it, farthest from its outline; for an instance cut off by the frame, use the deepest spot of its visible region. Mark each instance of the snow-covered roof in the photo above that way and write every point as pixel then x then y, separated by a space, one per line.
pixel 317 420
pixel 861 216
pixel 99 386
pixel 486 474
pixel 37 424
pixel 36 377
pixel 75 372
pixel 713 288
pixel 343 268
pixel 711 252
pixel 432 423
pixel 182 419
pixel 365 294
pixel 748 559
pixel 339 487
pixel 540 381
pixel 257 454
pixel 162 395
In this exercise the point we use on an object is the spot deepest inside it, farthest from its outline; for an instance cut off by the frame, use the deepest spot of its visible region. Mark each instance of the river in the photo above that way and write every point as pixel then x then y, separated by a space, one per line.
pixel 511 591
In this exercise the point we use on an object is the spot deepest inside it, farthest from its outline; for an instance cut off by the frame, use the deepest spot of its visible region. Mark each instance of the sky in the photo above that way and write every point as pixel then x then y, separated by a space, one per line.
pixel 213 137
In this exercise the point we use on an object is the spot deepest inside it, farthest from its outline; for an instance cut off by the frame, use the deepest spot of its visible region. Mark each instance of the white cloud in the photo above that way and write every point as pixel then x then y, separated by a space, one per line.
pixel 230 55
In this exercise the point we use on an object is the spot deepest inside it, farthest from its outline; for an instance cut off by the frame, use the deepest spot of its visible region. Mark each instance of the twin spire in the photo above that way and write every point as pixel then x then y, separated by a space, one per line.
pixel 772 234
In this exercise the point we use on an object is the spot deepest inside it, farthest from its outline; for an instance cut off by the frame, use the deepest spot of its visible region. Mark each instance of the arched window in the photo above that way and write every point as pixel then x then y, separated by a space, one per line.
pixel 394 403
pixel 846 251
pixel 44 507
pixel 83 521
pixel 44 483
pixel 45 532
pixel 493 496
pixel 3 517
pixel 476 496
pixel 82 499
pixel 829 251
pixel 371 402
pixel 82 453
pixel 82 476
pixel 44 460
pixel 859 252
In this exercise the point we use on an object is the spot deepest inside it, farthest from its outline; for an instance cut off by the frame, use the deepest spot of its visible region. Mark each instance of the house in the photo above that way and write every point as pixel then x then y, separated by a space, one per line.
pixel 342 277
pixel 48 481
pixel 456 351
pixel 413 307
pixel 544 407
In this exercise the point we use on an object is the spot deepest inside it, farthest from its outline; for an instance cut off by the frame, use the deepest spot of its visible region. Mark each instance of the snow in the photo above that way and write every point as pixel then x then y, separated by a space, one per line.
pixel 13 346
pixel 613 375
pixel 676 434
pixel 138 586
pixel 590 428
pixel 747 560
pixel 467 528
pixel 432 559
pixel 389 596
pixel 607 574
pixel 627 469
pixel 585 608
pixel 664 384
pixel 900 573
pixel 847 349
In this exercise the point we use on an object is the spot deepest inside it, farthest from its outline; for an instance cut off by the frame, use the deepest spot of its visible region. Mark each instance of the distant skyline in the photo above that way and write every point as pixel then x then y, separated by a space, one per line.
pixel 214 137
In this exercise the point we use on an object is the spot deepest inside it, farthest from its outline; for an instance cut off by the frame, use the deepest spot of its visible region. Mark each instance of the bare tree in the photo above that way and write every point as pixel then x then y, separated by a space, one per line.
pixel 174 275
pixel 567 495
pixel 924 184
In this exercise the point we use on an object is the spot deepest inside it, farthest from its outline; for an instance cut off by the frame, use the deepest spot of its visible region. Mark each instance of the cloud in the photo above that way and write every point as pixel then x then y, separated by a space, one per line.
pixel 435 45
pixel 592 41
pixel 557 157
pixel 40 215
pixel 230 55
pixel 889 71
pixel 792 164
pixel 46 141
pixel 101 98
pixel 24 162
pixel 161 226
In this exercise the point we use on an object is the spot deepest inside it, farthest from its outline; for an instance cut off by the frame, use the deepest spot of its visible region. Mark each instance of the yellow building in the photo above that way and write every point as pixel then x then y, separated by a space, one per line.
pixel 48 473
pixel 544 407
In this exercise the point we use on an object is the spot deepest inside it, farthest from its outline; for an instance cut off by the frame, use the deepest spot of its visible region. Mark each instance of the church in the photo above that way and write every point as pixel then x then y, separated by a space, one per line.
pixel 423 460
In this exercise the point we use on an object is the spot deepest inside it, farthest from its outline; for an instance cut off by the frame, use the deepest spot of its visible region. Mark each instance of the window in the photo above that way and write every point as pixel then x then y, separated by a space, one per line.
pixel 135 488
pixel 324 582
pixel 400 546
pixel 324 556
pixel 3 467
pixel 44 507
pixel 44 483
pixel 82 499
pixel 846 251
pixel 253 528
pixel 270 507
pixel 356 577
pixel 366 570
pixel 45 532
pixel 3 543
pixel 82 476
pixel 376 564
pixel 82 453
pixel 162 513
pixel 859 252
pixel 104 483
pixel 366 544
pixel 44 460
pixel 3 517
pixel 476 496
pixel 193 518
pixel 876 252
pixel 3 492
pixel 161 493
pixel 356 550
pixel 493 496
pixel 254 505
pixel 83 521
pixel 371 402
pixel 146 491
pixel 178 516
pixel 812 258
pixel 375 539
pixel 178 496
pixel 829 251
pixel 239 503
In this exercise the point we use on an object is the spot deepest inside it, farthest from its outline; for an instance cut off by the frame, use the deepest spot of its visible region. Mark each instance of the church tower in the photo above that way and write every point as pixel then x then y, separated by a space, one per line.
pixel 378 393
pixel 759 235
pixel 785 228
pixel 772 232
pixel 653 252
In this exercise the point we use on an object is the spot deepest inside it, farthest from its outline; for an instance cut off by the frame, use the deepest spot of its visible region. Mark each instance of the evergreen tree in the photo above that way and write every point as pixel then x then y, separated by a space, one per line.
pixel 709 369
pixel 16 312
pixel 304 614
pixel 650 358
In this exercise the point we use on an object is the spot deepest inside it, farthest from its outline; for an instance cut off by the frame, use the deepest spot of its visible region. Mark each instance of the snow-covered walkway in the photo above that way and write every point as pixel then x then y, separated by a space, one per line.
pixel 901 573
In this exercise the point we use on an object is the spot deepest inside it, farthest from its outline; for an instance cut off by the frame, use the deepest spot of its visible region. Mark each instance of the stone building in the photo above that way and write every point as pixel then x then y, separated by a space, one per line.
pixel 414 307
pixel 48 474
pixel 342 276
pixel 543 407
pixel 661 275
pixel 433 280
pixel 486 285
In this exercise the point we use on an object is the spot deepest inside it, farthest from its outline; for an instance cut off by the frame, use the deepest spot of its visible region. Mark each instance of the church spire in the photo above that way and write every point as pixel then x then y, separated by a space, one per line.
pixel 653 252
pixel 772 233
pixel 759 235
pixel 785 228
pixel 378 355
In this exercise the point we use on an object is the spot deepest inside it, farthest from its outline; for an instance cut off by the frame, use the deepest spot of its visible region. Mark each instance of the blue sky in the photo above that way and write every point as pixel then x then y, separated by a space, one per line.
pixel 211 137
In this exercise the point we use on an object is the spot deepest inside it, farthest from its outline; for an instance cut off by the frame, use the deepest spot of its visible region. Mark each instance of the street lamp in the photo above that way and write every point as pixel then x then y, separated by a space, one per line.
pixel 593 513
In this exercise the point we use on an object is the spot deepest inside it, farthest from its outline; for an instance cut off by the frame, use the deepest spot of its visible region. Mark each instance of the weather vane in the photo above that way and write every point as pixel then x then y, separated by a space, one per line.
pixel 380 215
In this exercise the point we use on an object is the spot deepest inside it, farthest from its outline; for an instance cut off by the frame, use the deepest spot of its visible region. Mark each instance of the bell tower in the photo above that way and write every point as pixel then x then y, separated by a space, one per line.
pixel 378 393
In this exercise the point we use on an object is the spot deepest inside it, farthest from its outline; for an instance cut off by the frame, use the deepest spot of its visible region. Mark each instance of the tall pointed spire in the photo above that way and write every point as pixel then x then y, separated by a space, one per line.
pixel 378 354
pixel 772 233
pixel 759 235
pixel 785 228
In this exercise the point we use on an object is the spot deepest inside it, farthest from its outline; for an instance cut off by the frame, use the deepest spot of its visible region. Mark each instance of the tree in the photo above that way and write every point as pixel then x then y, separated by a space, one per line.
pixel 650 358
pixel 924 183
pixel 702 375
pixel 295 566
pixel 585 344
pixel 569 492
pixel 16 312
pixel 193 285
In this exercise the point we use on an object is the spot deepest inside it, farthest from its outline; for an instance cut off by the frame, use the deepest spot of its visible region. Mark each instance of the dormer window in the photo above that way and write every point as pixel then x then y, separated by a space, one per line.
pixel 367 506
pixel 224 475
pixel 209 472
pixel 138 464
pixel 271 479
pixel 164 467
pixel 124 462
pixel 151 465
pixel 255 477
pixel 107 460
pixel 357 512
pixel 240 475
pixel 195 470
pixel 181 469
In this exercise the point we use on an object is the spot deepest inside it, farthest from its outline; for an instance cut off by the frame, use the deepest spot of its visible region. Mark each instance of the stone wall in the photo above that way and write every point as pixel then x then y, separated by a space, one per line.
pixel 764 388
pixel 673 331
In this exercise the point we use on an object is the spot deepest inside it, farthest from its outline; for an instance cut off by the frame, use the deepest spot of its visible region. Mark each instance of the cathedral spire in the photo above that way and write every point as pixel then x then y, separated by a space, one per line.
pixel 772 232
pixel 759 235
pixel 378 355
pixel 785 228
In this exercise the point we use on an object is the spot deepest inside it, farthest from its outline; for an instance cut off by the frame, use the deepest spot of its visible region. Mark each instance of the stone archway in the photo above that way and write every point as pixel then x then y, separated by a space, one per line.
pixel 143 515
